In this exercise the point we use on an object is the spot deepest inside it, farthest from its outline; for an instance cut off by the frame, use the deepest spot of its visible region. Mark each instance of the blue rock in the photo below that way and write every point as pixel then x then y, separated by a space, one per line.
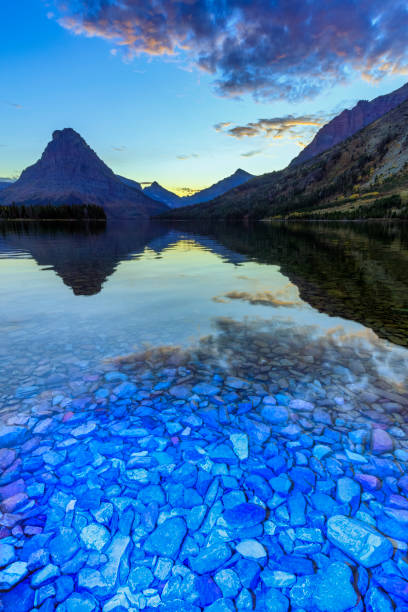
pixel 210 559
pixel 207 590
pixel 297 506
pixel 45 575
pixel 248 572
pixel 20 598
pixel 228 582
pixel 167 538
pixel 281 484
pixel 11 435
pixel 79 602
pixel 7 554
pixel 221 605
pixel 334 590
pixel 244 515
pixel 64 586
pixel 359 541
pixel 125 390
pixel 275 601
pixel 140 578
pixel 348 492
pixel 206 389
pixel 376 600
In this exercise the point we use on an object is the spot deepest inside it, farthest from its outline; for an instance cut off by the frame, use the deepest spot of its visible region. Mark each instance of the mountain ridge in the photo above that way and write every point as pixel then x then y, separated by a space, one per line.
pixel 162 194
pixel 371 164
pixel 350 121
pixel 70 172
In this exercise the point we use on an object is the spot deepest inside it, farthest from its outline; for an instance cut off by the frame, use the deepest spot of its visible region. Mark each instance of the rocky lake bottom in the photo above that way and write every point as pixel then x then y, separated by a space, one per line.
pixel 258 463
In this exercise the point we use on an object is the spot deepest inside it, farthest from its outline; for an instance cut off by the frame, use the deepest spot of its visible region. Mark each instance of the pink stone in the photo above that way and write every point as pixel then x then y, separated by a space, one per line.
pixel 403 483
pixel 31 530
pixel 7 456
pixel 67 416
pixel 18 486
pixel 13 503
pixel 175 440
pixel 381 442
pixel 368 482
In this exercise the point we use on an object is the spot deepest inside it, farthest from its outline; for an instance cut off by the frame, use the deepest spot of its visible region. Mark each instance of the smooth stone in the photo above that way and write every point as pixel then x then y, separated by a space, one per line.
pixel 361 542
pixel 45 574
pixel 221 605
pixel 275 414
pixel 275 601
pixel 204 388
pixel 377 601
pixel 251 549
pixel 334 589
pixel 11 435
pixel 239 443
pixel 125 390
pixel 381 442
pixel 78 602
pixel 228 582
pixel 83 430
pixel 348 492
pixel 7 554
pixel 210 559
pixel 140 578
pixel 244 515
pixel 64 545
pixel 12 575
pixel 95 536
pixel 167 538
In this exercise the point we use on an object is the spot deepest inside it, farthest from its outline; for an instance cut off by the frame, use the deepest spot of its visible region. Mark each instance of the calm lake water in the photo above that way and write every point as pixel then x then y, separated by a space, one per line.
pixel 193 413
pixel 72 293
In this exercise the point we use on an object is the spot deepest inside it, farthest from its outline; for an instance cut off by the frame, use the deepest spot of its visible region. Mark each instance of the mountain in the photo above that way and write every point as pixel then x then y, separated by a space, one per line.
pixel 159 193
pixel 130 182
pixel 351 121
pixel 70 172
pixel 367 173
pixel 4 183
pixel 238 178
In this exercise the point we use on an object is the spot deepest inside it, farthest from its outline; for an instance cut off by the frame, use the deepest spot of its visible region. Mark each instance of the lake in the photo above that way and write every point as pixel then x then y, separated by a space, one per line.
pixel 197 412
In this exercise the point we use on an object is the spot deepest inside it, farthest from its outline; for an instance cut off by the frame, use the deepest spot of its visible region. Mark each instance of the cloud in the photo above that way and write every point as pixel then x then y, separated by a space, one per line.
pixel 121 148
pixel 252 153
pixel 188 156
pixel 276 127
pixel 264 298
pixel 286 49
pixel 219 127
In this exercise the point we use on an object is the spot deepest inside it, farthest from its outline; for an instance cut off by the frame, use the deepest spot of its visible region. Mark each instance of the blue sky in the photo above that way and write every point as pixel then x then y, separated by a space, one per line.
pixel 148 107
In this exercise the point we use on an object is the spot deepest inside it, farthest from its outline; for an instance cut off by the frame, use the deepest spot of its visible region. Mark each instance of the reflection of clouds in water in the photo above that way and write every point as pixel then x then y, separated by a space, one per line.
pixel 351 364
pixel 287 297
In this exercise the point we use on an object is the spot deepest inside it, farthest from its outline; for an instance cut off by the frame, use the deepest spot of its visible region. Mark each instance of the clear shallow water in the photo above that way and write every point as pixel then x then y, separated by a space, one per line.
pixel 300 330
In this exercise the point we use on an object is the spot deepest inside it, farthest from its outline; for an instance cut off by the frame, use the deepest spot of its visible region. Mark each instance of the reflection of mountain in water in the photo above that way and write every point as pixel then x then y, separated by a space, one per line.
pixel 356 271
pixel 85 255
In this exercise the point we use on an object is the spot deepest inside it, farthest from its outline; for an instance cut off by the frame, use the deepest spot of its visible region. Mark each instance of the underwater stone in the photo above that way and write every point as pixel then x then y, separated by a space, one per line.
pixel 361 542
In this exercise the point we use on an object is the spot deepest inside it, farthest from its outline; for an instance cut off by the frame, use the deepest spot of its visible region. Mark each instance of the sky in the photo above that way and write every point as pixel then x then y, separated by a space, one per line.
pixel 186 91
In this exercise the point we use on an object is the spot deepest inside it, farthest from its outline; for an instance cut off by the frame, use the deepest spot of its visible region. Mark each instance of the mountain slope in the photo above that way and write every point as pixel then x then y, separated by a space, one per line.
pixel 238 178
pixel 70 172
pixel 159 193
pixel 351 121
pixel 371 164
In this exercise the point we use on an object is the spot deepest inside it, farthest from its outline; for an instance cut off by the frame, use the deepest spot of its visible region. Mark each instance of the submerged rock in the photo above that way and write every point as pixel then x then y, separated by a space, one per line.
pixel 361 542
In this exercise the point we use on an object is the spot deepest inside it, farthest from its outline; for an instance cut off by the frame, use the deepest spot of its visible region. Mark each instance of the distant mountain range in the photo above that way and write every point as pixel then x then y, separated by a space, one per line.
pixel 367 169
pixel 70 172
pixel 159 193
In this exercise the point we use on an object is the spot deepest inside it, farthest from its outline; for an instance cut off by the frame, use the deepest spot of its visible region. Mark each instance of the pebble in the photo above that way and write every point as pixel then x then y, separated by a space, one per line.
pixel 271 485
pixel 359 540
